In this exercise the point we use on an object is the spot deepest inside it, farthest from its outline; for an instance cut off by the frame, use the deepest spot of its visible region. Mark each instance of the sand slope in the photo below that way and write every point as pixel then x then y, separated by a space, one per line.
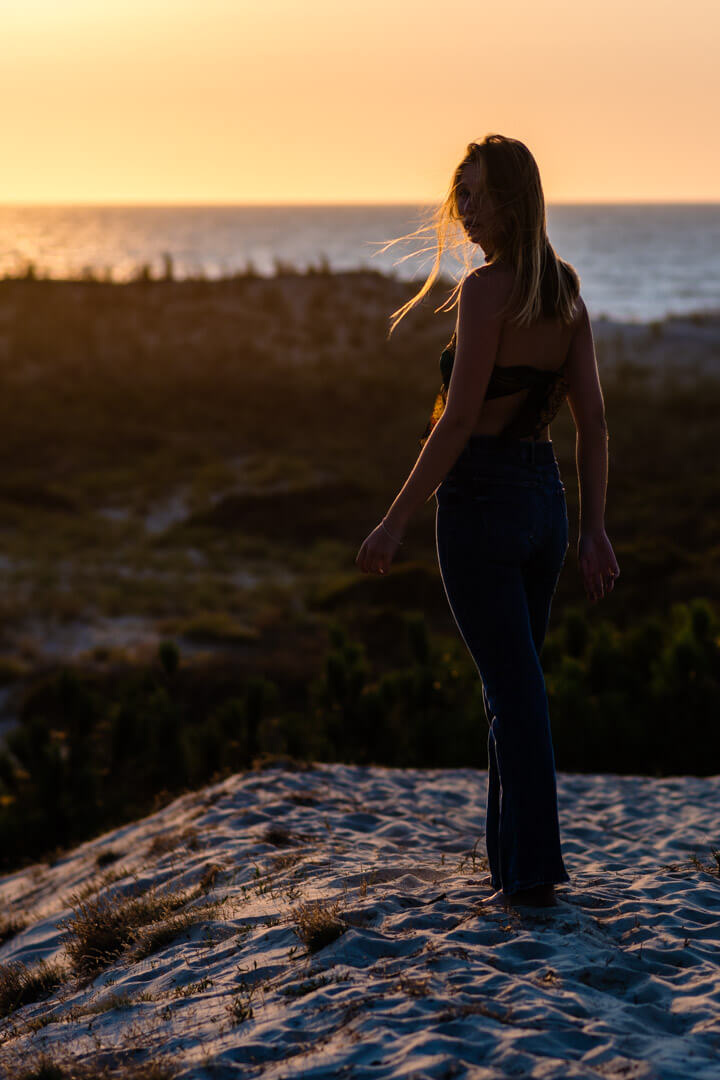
pixel 622 979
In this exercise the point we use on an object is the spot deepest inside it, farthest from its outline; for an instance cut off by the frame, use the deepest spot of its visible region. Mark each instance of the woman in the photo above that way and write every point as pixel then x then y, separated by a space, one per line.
pixel 522 344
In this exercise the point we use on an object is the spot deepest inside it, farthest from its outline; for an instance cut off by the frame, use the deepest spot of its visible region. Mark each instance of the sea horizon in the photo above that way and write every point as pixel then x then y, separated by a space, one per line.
pixel 637 261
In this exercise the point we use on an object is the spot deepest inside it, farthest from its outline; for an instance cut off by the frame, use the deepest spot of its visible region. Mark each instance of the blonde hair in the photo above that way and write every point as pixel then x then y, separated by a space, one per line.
pixel 544 284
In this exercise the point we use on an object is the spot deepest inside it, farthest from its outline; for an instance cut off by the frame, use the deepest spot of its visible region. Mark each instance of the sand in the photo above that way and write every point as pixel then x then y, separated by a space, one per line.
pixel 620 979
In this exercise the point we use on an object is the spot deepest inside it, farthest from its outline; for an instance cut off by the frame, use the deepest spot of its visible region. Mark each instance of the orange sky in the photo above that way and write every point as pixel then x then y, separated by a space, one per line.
pixel 232 101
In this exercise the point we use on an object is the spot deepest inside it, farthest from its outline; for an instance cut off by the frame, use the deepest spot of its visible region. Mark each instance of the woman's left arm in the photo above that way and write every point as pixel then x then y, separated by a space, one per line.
pixel 478 335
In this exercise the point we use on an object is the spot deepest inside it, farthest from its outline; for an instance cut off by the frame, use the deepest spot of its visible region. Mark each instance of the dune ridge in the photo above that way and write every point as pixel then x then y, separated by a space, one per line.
pixel 337 932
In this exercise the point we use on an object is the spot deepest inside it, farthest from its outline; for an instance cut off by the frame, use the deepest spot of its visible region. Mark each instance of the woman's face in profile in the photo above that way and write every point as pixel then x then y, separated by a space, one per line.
pixel 474 206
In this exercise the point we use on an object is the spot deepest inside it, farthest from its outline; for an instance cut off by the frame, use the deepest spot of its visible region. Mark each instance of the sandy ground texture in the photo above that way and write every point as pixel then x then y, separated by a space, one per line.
pixel 413 978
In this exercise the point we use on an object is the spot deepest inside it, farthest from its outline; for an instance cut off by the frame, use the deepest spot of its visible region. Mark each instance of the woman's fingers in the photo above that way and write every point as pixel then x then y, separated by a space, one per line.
pixel 599 584
pixel 599 569
pixel 371 564
pixel 611 574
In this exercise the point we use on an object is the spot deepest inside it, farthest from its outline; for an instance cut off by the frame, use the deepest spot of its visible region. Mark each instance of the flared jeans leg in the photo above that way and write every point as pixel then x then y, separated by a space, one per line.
pixel 492 817
pixel 500 555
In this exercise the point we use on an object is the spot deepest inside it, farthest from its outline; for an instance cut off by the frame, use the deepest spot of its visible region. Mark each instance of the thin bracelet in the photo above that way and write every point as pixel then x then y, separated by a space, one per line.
pixel 389 533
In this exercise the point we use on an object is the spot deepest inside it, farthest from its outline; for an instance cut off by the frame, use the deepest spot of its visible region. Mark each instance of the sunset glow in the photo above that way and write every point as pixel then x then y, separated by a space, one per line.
pixel 242 101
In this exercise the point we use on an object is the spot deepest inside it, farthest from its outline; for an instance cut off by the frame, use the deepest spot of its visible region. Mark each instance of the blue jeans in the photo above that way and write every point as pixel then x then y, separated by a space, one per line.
pixel 501 530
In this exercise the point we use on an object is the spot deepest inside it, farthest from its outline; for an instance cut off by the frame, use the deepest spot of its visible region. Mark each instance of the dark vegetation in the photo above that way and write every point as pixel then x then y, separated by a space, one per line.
pixel 291 422
pixel 92 752
pixel 20 984
pixel 48 1067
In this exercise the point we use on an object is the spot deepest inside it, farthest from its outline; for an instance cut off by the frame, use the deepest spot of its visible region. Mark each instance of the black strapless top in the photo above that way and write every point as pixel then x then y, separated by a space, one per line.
pixel 548 390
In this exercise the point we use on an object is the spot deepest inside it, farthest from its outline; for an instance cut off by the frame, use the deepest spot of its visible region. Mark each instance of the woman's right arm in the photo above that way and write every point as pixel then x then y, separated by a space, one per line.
pixel 598 565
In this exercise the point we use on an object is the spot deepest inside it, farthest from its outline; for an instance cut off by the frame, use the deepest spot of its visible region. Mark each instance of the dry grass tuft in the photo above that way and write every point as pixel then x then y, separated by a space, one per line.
pixel 20 984
pixel 283 862
pixel 103 926
pixel 164 842
pixel 95 884
pixel 304 798
pixel 317 924
pixel 11 926
pixel 106 857
pixel 414 987
pixel 111 1002
pixel 46 1067
pixel 278 836
pixel 151 938
pixel 307 986
pixel 209 876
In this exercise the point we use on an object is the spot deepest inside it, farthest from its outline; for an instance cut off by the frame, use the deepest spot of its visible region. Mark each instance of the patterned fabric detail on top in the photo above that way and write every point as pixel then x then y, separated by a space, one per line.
pixel 548 390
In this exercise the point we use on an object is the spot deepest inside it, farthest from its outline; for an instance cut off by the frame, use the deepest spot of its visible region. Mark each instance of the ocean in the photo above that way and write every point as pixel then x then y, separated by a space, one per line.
pixel 637 263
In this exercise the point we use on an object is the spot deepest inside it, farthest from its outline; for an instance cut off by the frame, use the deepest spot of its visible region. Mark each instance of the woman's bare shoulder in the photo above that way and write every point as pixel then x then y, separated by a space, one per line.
pixel 492 270
pixel 581 313
pixel 489 279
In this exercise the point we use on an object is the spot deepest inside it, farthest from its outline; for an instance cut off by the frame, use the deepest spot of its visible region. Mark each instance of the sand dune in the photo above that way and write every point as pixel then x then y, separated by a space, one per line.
pixel 621 979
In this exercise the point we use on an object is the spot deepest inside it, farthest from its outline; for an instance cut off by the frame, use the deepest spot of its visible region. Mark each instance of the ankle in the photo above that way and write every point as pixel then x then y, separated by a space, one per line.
pixel 535 890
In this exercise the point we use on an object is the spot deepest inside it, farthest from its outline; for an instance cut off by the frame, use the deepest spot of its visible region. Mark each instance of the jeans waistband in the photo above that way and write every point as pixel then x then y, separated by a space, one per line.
pixel 499 448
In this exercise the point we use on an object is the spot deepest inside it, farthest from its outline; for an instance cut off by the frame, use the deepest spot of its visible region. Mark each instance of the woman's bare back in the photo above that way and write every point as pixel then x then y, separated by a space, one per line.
pixel 544 345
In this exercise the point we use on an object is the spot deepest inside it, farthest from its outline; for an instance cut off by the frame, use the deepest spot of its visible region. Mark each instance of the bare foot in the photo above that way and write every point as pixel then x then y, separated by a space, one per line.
pixel 497 898
pixel 538 896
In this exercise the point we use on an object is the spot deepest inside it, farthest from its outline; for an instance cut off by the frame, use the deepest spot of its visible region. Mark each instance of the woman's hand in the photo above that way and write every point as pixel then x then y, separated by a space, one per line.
pixel 598 565
pixel 377 551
